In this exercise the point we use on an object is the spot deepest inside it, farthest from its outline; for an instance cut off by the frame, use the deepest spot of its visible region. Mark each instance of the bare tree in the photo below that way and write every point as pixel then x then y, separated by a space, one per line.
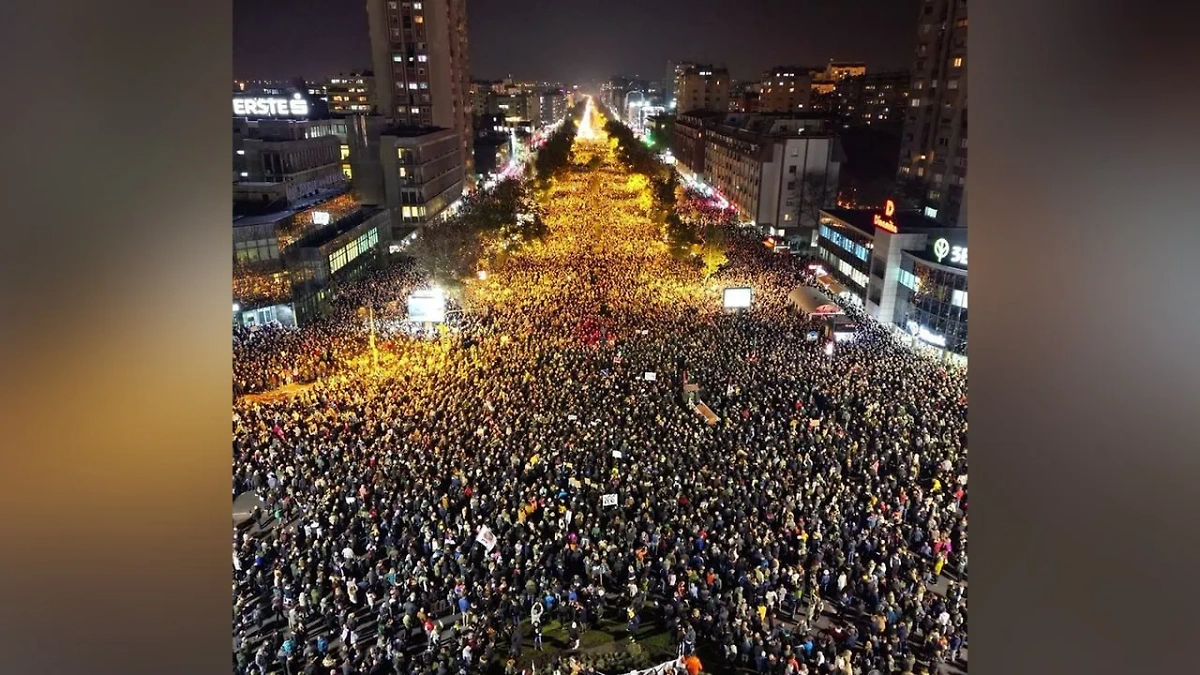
pixel 817 192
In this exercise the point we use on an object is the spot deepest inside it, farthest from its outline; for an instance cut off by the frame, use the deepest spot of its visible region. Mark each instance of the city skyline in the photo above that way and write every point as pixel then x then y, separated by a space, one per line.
pixel 537 39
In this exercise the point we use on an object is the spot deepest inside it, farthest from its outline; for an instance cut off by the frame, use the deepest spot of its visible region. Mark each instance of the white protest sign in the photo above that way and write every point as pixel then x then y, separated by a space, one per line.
pixel 486 538
pixel 617 454
pixel 651 377
pixel 608 500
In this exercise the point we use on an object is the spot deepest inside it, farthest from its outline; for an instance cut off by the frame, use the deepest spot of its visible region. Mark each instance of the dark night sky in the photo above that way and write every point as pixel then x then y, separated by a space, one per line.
pixel 589 40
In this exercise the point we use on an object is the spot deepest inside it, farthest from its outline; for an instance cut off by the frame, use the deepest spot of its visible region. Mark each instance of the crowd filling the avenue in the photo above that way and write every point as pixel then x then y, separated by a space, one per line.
pixel 534 490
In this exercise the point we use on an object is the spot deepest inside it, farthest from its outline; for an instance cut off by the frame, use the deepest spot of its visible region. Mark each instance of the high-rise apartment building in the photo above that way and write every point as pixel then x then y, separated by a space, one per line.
pixel 702 87
pixel 422 65
pixel 785 89
pixel 352 94
pixel 874 99
pixel 933 148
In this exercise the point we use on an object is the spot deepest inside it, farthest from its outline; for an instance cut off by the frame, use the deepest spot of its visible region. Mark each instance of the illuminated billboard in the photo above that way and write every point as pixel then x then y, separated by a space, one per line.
pixel 427 306
pixel 270 106
pixel 737 298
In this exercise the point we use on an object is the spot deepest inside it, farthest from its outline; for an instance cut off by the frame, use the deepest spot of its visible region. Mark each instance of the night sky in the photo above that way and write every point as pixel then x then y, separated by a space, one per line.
pixel 585 41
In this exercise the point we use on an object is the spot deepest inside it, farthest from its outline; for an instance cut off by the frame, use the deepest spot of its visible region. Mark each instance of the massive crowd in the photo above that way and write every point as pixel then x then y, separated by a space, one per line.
pixel 831 482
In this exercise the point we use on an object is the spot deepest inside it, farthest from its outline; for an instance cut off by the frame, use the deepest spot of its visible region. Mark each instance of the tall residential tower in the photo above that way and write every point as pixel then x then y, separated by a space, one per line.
pixel 422 65
pixel 933 149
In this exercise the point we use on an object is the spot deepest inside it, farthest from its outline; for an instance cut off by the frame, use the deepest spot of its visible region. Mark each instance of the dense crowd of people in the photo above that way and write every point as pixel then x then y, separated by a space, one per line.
pixel 462 489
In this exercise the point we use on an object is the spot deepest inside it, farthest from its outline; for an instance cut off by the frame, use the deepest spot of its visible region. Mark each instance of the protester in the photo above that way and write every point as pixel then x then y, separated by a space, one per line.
pixel 829 480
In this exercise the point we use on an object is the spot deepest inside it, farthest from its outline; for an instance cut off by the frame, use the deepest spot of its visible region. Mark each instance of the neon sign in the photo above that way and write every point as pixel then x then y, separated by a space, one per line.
pixel 296 106
pixel 885 221
pixel 943 248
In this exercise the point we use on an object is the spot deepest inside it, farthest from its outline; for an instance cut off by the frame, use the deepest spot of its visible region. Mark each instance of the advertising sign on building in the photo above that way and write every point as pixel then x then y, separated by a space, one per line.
pixel 948 251
pixel 270 106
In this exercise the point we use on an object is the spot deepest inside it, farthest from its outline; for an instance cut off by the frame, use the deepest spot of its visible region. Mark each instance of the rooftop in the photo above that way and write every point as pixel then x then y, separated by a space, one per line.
pixel 410 131
pixel 907 222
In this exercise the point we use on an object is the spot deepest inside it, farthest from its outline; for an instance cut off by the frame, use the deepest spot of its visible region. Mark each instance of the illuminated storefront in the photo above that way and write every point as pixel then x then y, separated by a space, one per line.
pixel 935 290
pixel 905 269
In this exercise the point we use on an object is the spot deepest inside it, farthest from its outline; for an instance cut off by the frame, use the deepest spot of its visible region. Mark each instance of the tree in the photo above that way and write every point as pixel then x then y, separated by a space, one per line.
pixel 817 192
pixel 712 251
pixel 450 251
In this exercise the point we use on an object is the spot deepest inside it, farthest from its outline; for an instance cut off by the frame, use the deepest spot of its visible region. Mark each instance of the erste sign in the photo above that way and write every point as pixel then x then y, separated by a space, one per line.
pixel 273 106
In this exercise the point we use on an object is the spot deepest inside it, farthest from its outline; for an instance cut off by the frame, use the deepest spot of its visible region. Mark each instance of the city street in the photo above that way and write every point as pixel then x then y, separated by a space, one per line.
pixel 838 474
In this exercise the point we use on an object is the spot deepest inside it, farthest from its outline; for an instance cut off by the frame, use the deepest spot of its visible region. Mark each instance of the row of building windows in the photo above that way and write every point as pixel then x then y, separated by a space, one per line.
pixel 845 243
pixel 409 213
pixel 344 255
pixel 254 251
pixel 845 269
pixel 909 280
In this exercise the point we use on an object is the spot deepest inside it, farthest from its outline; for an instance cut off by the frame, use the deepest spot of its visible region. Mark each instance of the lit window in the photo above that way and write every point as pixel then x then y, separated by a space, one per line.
pixel 416 5
pixel 952 84
pixel 422 58
pixel 958 62
pixel 397 58
pixel 916 103
pixel 415 111
pixel 958 298
pixel 419 19
pixel 412 85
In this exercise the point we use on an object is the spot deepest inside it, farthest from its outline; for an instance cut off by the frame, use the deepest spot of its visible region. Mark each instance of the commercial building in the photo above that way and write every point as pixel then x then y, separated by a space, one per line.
pixel 933 148
pixel 905 269
pixel 785 89
pixel 421 65
pixel 352 94
pixel 287 263
pixel 279 160
pixel 702 87
pixel 779 171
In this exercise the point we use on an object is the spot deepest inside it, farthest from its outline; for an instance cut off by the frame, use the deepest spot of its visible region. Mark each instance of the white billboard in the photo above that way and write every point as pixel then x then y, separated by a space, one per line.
pixel 427 306
pixel 737 298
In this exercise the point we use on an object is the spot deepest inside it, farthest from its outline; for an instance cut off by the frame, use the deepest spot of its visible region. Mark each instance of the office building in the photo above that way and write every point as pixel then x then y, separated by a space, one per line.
pixel 287 263
pixel 785 89
pixel 279 161
pixel 933 148
pixel 352 94
pixel 422 65
pixel 702 87
pixel 905 269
